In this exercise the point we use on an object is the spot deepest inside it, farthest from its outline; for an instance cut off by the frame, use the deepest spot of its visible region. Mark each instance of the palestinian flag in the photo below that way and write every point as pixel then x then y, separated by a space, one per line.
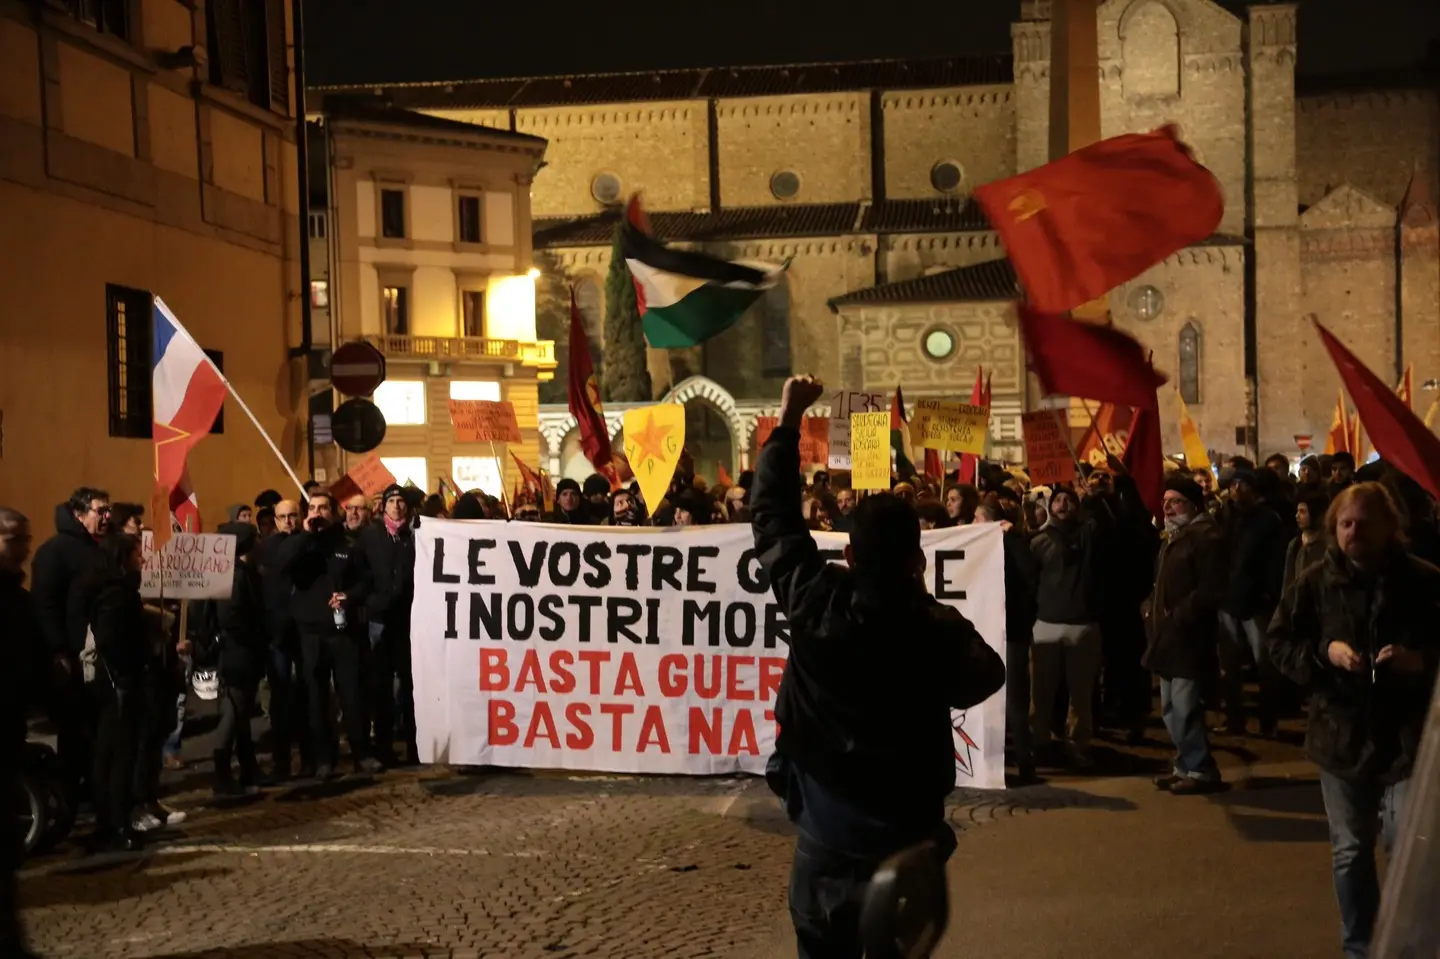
pixel 900 436
pixel 685 298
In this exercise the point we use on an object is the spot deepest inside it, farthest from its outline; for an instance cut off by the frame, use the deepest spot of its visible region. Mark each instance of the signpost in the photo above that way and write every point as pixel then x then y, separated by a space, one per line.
pixel 357 369
pixel 358 425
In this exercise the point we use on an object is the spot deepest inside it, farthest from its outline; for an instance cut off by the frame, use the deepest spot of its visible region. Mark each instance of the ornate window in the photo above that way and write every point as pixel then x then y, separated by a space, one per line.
pixel 1151 47
pixel 946 176
pixel 1146 302
pixel 1190 363
pixel 938 343
pixel 605 188
pixel 785 184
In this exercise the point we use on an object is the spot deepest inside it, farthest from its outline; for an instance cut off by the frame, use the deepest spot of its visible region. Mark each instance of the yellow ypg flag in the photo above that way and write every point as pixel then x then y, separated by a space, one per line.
pixel 1195 456
pixel 654 440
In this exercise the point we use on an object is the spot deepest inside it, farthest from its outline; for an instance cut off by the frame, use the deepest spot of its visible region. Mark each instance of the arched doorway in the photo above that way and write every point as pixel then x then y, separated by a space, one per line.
pixel 710 441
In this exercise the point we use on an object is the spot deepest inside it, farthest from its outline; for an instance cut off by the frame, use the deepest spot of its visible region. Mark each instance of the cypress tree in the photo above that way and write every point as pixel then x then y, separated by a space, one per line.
pixel 626 378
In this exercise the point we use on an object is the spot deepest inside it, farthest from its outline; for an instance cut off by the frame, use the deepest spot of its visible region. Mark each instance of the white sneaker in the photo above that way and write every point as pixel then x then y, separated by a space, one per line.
pixel 146 822
pixel 172 817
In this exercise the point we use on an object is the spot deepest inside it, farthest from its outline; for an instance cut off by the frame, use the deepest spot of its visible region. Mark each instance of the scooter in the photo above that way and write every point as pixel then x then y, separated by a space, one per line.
pixel 45 807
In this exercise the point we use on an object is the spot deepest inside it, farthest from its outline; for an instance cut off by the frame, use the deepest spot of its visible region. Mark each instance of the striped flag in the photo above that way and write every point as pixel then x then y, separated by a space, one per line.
pixel 900 436
pixel 187 393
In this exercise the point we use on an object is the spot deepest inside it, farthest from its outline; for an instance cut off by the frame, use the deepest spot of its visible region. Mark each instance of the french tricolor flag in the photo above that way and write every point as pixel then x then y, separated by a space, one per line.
pixel 187 392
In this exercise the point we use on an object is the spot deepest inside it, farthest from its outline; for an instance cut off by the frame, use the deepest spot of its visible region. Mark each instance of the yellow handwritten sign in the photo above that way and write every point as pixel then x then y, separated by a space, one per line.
pixel 942 425
pixel 870 451
pixel 654 440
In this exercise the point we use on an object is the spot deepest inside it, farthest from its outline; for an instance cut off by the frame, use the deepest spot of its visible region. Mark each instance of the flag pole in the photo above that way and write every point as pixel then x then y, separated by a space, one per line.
pixel 503 498
pixel 179 328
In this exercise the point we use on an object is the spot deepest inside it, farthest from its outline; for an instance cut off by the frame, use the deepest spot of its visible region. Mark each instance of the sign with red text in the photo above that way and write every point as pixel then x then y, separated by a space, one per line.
pixel 484 421
pixel 190 566
pixel 656 650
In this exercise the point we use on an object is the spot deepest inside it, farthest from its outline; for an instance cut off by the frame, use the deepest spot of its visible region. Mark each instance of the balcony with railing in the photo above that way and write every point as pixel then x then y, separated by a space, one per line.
pixel 540 354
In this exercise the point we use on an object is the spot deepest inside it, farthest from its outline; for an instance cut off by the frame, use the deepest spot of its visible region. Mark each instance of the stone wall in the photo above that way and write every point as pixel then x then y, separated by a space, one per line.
pixel 971 126
pixel 823 138
pixel 1420 301
pixel 909 255
pixel 1374 141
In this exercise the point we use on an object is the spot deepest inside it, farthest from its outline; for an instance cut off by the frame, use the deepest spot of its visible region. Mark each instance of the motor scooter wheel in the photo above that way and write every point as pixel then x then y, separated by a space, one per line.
pixel 60 818
pixel 31 804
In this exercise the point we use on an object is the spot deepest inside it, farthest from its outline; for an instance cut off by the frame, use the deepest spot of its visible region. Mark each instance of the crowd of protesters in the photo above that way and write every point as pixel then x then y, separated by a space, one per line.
pixel 1316 582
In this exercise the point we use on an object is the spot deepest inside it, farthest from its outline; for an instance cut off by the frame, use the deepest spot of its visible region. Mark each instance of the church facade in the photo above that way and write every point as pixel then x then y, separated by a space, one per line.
pixel 859 174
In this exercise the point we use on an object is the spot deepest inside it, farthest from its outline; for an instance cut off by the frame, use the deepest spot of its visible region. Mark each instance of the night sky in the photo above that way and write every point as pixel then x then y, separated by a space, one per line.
pixel 358 41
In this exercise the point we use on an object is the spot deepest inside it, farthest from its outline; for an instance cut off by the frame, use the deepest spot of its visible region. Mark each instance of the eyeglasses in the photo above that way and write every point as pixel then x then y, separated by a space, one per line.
pixel 287 516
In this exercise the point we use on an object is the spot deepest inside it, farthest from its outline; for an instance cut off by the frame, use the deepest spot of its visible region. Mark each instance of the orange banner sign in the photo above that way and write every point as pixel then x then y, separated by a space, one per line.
pixel 1047 455
pixel 482 421
pixel 814 438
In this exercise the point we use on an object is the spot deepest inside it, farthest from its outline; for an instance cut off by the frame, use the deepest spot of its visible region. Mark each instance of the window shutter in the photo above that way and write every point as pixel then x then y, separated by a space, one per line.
pixel 275 51
pixel 225 26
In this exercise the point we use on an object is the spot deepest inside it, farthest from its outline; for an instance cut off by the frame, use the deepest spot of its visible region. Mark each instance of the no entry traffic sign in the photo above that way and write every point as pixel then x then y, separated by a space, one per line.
pixel 357 368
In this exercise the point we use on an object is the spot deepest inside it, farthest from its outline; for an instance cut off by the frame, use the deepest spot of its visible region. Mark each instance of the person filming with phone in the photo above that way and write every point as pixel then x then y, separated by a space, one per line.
pixel 864 757
pixel 330 582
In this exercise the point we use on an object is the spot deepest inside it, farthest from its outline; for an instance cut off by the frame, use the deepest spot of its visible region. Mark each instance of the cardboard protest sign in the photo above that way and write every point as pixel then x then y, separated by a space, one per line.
pixel 189 566
pixel 368 477
pixel 943 425
pixel 814 439
pixel 484 421
pixel 842 404
pixel 870 451
pixel 641 651
pixel 654 441
pixel 1047 452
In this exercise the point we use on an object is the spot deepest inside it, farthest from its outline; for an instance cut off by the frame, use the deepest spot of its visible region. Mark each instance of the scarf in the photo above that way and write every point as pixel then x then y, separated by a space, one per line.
pixel 393 526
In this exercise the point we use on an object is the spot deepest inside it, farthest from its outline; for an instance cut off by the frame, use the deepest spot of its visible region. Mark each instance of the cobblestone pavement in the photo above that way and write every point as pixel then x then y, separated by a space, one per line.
pixel 439 863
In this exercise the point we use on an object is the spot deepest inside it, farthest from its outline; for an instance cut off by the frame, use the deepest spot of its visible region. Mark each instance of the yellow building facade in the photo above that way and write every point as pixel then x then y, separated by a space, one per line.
pixel 146 147
pixel 427 255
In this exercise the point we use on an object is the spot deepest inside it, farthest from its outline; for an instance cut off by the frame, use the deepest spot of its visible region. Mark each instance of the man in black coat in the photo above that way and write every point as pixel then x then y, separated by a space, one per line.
pixel 330 582
pixel 61 567
pixel 865 755
pixel 1190 584
pixel 21 653
pixel 1358 631
pixel 283 672
pixel 389 548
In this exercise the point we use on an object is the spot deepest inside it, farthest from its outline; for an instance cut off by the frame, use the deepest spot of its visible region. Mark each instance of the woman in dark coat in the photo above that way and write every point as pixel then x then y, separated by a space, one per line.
pixel 244 644
pixel 1358 630
pixel 117 619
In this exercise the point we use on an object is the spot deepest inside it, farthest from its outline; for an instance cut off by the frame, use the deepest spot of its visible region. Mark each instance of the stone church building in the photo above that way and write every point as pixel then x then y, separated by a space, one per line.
pixel 860 174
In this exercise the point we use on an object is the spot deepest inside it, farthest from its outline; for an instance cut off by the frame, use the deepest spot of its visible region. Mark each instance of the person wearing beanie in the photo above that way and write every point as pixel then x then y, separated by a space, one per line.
pixel 570 505
pixel 238 513
pixel 389 548
pixel 1190 584
pixel 243 630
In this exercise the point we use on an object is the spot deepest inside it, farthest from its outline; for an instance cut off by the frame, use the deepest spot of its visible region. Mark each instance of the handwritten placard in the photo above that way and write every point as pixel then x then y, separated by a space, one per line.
pixel 1047 454
pixel 369 477
pixel 189 566
pixel 943 425
pixel 842 404
pixel 870 451
pixel 484 421
pixel 813 439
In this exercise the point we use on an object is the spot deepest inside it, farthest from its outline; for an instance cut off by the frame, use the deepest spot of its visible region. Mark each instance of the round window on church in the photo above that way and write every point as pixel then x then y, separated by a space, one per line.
pixel 938 343
pixel 946 176
pixel 1146 302
pixel 605 188
pixel 785 184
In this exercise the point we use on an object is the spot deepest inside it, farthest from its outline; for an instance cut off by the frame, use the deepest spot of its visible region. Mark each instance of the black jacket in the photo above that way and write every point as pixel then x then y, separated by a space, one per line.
pixel 874 668
pixel 1066 557
pixel 276 585
pixel 391 560
pixel 22 662
pixel 1022 579
pixel 122 632
pixel 58 574
pixel 320 565
pixel 1190 582
pixel 1257 560
pixel 1361 728
pixel 243 628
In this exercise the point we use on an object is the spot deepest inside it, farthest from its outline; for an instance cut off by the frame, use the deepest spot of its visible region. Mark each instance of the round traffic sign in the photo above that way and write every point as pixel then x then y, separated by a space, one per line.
pixel 358 426
pixel 357 368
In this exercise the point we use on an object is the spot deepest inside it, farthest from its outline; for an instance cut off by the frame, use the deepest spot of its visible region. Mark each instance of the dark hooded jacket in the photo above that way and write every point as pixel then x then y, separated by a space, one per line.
pixel 276 587
pixel 1258 540
pixel 1066 555
pixel 116 614
pixel 241 620
pixel 391 559
pixel 320 564
pixel 1365 726
pixel 22 659
pixel 59 573
pixel 874 669
pixel 1190 581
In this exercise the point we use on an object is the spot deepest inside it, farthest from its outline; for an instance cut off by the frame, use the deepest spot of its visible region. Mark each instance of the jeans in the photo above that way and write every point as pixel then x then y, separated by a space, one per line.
pixel 1071 652
pixel 1239 639
pixel 288 726
pixel 172 742
pixel 1183 710
pixel 827 889
pixel 1358 812
pixel 1017 701
pixel 116 739
pixel 338 654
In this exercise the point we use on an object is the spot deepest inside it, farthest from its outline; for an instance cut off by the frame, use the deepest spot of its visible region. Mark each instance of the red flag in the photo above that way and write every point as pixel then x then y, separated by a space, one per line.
pixel 969 461
pixel 527 476
pixel 1406 389
pixel 1107 435
pixel 1080 226
pixel 1088 361
pixel 584 394
pixel 724 476
pixel 1398 434
pixel 1144 459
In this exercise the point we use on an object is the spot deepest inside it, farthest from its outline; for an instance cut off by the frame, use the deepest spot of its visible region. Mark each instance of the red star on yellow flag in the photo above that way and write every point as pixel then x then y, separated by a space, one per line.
pixel 654 441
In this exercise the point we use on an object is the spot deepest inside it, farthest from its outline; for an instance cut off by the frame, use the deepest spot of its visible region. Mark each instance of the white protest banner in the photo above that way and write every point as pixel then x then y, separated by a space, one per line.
pixel 656 650
pixel 191 566
pixel 842 404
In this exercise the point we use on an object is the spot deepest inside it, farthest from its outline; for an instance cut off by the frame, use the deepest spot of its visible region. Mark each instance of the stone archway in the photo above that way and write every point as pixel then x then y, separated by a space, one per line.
pixel 718 402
